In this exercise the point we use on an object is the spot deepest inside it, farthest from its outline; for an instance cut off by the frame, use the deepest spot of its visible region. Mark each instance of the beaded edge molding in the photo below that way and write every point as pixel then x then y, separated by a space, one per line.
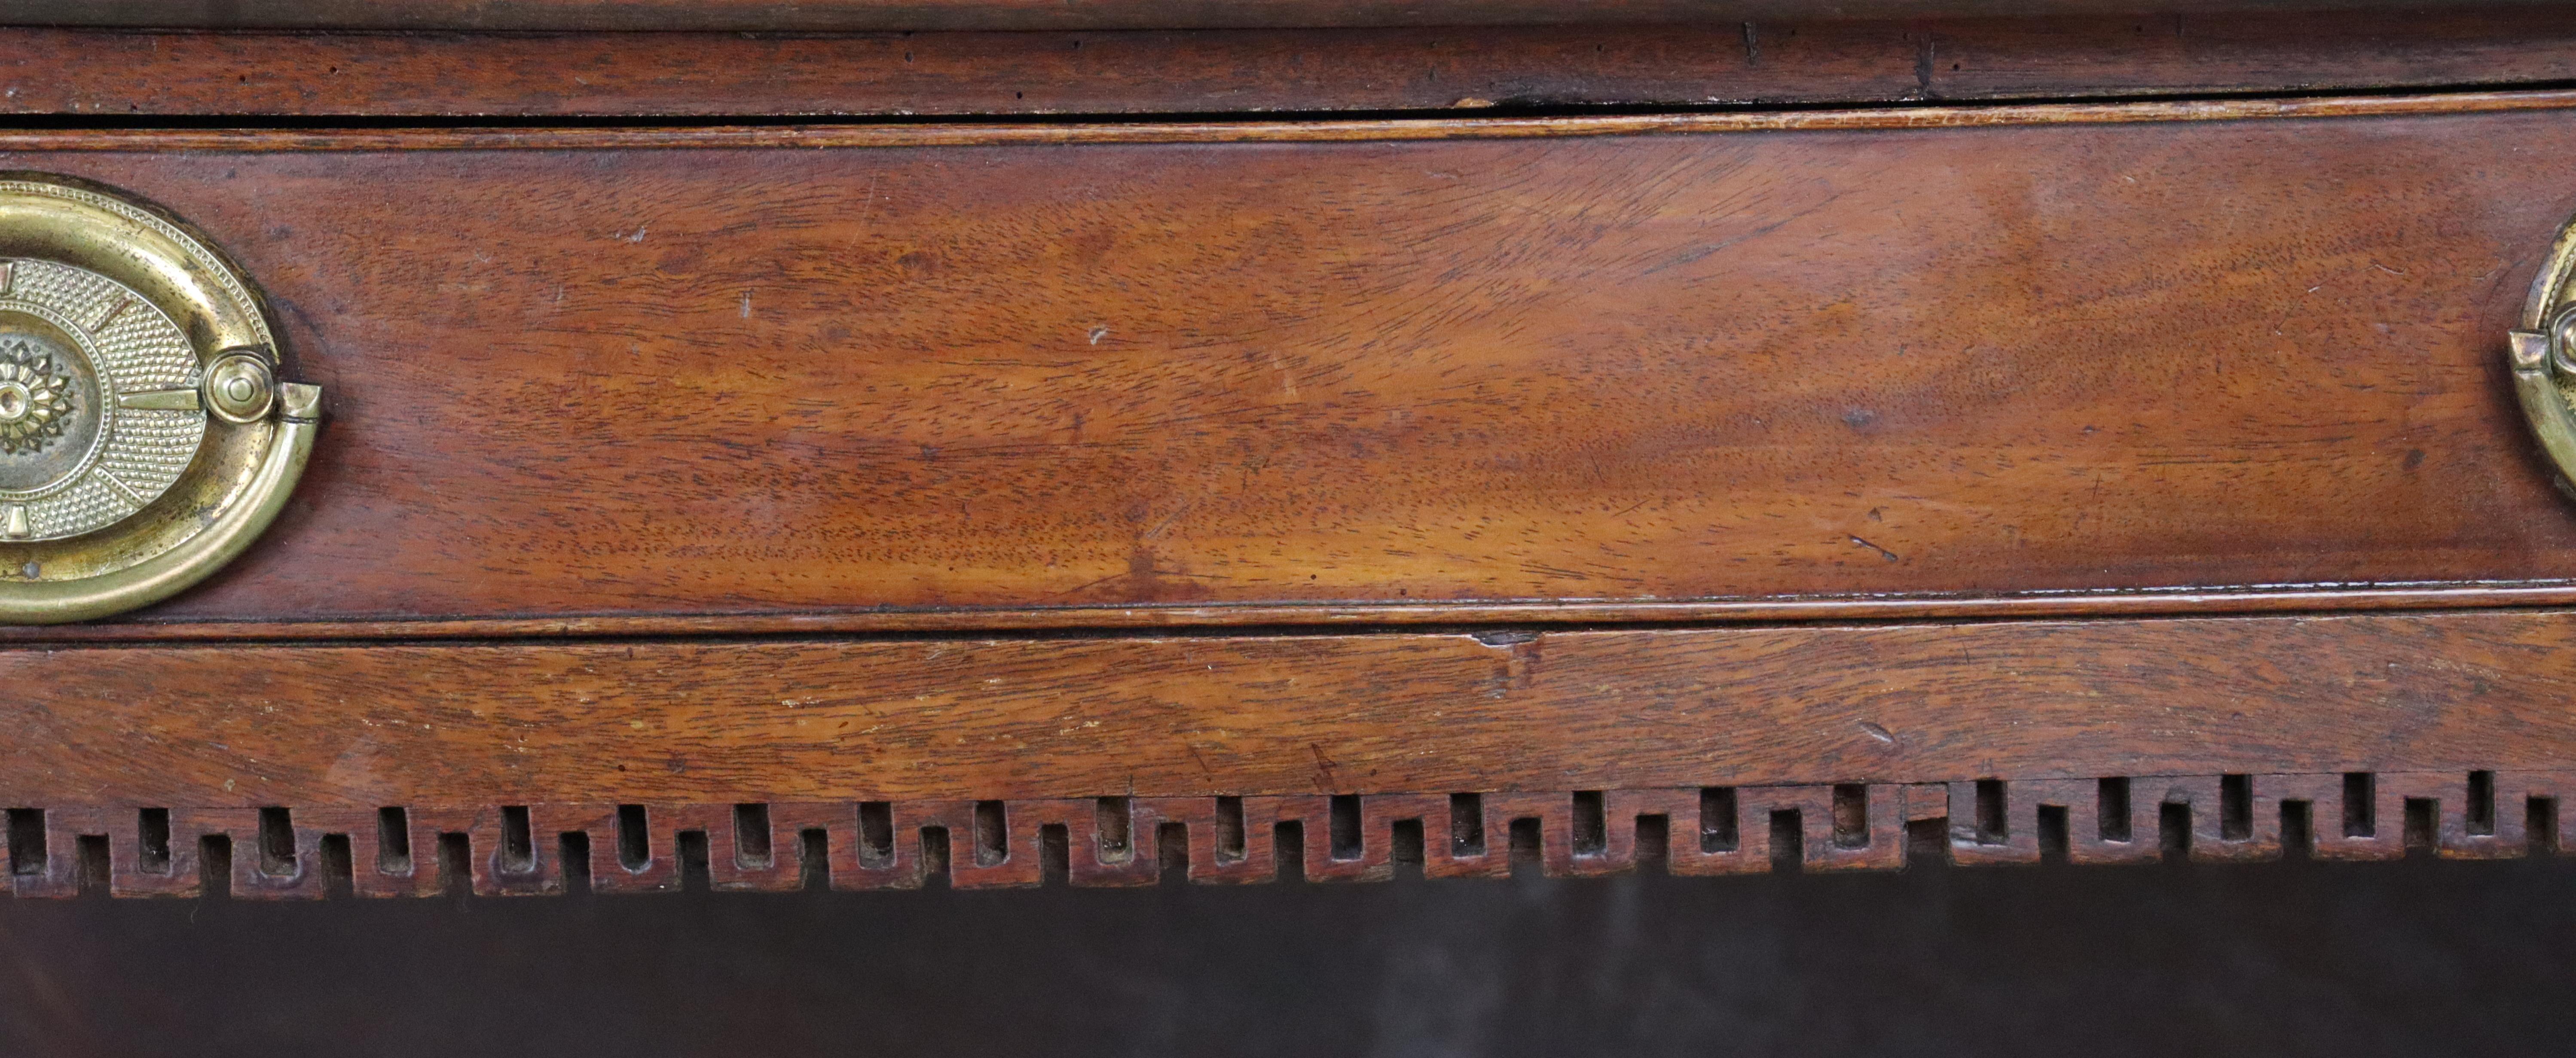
pixel 1122 841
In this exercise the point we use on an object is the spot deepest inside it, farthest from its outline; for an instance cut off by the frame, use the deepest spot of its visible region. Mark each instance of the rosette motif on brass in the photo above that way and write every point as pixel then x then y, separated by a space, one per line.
pixel 144 437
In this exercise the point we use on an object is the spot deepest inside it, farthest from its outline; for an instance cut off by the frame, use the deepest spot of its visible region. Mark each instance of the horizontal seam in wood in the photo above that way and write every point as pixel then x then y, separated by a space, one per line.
pixel 1397 130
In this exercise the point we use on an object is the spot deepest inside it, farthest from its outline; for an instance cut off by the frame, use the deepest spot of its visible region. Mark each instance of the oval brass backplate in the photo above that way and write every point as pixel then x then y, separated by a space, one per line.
pixel 2543 352
pixel 144 437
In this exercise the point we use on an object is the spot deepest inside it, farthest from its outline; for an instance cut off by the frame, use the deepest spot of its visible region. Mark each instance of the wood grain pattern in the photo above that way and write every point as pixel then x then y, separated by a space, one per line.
pixel 827 15
pixel 319 727
pixel 112 73
pixel 2021 360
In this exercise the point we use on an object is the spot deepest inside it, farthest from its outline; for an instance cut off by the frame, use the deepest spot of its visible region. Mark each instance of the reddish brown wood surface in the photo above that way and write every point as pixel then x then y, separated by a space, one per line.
pixel 1565 369
pixel 810 15
pixel 110 73
pixel 1304 369
pixel 362 726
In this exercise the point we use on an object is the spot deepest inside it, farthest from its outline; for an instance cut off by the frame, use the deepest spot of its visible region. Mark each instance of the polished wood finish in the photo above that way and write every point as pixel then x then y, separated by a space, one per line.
pixel 1052 374
pixel 700 485
pixel 109 73
pixel 833 15
pixel 824 720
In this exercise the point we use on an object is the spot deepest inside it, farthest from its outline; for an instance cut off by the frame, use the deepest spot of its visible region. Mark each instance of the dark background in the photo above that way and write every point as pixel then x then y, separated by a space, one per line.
pixel 2416 957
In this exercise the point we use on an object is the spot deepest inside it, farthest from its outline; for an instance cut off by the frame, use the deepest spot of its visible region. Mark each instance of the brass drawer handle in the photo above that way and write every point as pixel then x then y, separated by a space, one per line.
pixel 145 439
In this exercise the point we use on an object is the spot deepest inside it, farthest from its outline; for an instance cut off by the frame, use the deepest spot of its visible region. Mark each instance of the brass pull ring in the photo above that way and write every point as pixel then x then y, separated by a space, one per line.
pixel 145 439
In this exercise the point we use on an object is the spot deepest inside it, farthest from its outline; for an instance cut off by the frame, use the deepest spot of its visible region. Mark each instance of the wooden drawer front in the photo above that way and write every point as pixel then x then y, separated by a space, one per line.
pixel 2031 358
